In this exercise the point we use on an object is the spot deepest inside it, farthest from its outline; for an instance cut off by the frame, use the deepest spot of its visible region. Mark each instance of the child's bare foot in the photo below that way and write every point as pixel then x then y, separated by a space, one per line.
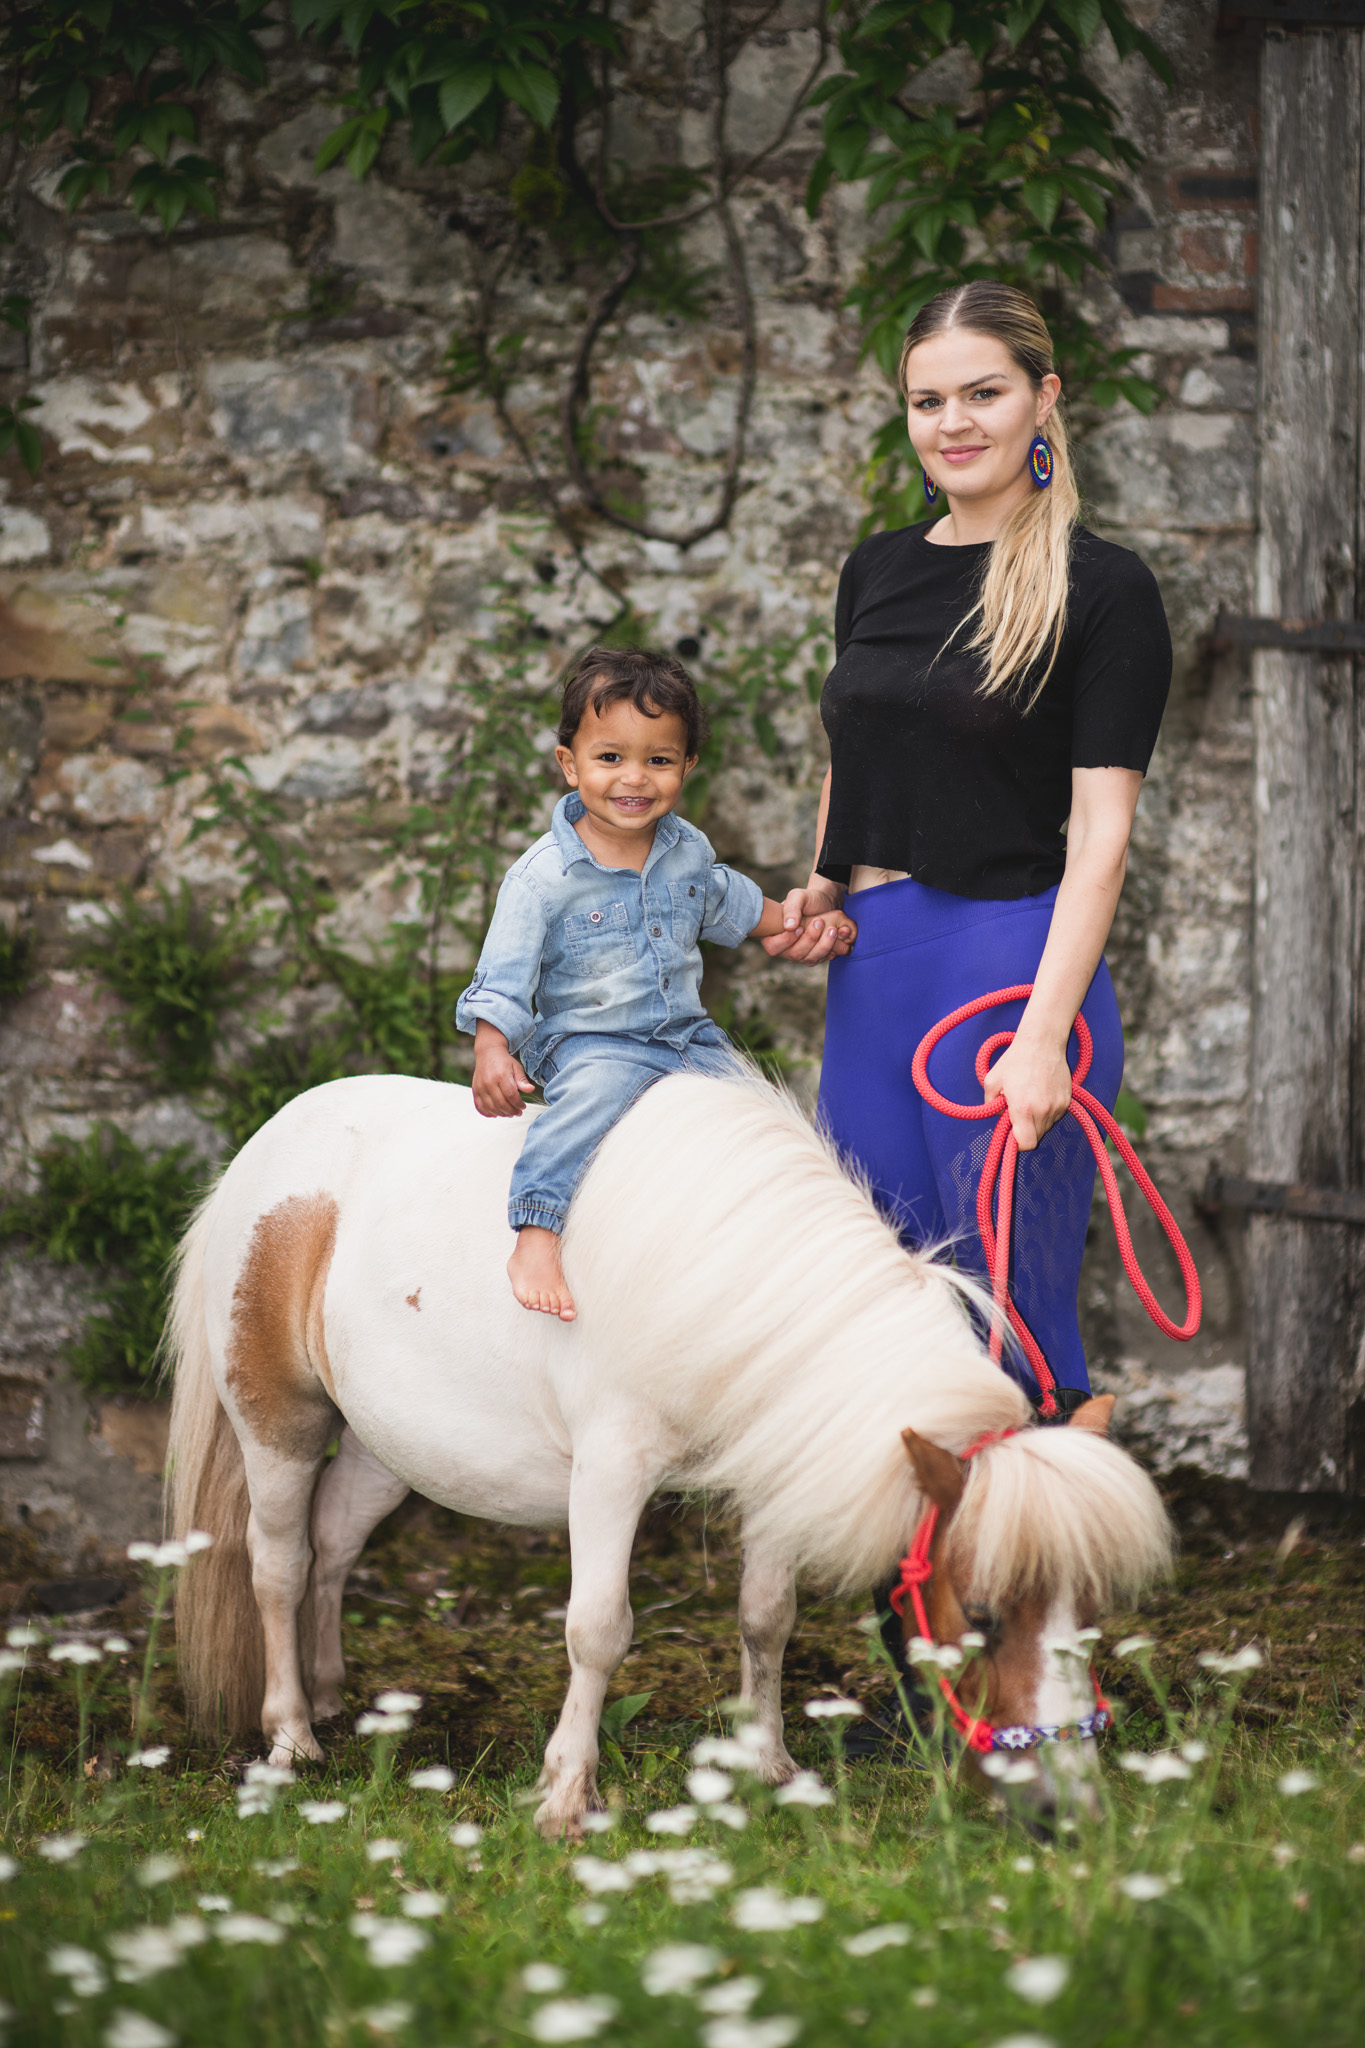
pixel 536 1275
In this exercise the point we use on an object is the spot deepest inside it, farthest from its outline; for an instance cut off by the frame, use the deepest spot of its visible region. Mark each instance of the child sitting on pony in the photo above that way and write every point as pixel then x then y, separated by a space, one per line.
pixel 589 981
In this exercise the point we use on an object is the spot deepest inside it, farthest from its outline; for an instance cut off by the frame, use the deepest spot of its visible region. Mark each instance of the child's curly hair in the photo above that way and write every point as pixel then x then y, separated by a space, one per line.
pixel 653 683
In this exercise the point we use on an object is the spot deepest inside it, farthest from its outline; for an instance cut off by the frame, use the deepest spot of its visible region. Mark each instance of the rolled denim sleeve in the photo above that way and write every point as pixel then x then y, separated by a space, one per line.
pixel 734 905
pixel 509 965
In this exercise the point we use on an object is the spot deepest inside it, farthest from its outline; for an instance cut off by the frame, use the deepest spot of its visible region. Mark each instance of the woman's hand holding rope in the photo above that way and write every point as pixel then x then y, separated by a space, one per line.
pixel 1035 1080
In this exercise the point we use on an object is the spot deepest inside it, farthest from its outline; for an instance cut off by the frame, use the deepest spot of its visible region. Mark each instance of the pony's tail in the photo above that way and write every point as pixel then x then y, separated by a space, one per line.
pixel 221 1651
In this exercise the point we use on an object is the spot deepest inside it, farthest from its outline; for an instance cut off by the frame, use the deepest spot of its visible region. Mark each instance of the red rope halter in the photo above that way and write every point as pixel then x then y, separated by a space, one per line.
pixel 916 1571
pixel 1001 1160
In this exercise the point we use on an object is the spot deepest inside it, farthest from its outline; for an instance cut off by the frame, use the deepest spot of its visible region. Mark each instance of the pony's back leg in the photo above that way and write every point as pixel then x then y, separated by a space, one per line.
pixel 767 1612
pixel 280 1485
pixel 354 1494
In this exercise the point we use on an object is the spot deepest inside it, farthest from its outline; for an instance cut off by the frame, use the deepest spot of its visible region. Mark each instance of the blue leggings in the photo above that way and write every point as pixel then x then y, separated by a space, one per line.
pixel 919 954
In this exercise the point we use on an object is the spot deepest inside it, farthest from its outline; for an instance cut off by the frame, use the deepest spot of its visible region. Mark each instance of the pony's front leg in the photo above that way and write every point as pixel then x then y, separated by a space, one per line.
pixel 767 1611
pixel 607 1494
pixel 354 1494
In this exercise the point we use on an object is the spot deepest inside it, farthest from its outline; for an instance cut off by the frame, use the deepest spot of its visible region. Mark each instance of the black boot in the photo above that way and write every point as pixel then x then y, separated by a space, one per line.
pixel 877 1735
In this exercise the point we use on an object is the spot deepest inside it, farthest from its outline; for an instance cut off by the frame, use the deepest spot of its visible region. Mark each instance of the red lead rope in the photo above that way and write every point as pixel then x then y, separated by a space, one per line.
pixel 1002 1157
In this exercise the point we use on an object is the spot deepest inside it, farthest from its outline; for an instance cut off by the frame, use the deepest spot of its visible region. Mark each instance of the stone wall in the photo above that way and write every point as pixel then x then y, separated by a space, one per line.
pixel 265 524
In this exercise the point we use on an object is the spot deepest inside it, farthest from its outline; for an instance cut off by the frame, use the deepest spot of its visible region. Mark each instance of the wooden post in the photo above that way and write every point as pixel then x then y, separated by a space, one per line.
pixel 1306 1377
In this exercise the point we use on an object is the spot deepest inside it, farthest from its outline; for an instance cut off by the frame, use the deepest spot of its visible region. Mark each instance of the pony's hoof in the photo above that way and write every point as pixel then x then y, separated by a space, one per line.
pixel 556 1823
pixel 326 1707
pixel 776 1768
pixel 287 1749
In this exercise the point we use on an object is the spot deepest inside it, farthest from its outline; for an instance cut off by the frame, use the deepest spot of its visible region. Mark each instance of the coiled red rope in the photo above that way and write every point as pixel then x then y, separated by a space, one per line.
pixel 1002 1157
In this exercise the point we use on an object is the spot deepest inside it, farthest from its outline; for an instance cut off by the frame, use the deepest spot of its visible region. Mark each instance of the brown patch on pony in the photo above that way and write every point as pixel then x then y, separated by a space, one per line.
pixel 414 1300
pixel 277 1354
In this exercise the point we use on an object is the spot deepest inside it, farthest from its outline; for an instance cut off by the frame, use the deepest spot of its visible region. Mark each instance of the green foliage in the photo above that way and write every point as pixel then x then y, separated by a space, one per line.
pixel 176 967
pixel 272 1074
pixel 743 697
pixel 106 1203
pixel 16 961
pixel 1011 187
pixel 451 68
pixel 1131 1113
pixel 754 1036
pixel 88 71
pixel 16 432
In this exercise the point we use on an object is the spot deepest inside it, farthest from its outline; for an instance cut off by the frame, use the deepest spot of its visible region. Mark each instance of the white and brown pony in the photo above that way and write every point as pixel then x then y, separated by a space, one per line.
pixel 746 1324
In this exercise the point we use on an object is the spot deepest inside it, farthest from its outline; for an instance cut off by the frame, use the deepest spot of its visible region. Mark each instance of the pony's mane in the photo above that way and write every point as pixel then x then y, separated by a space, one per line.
pixel 1057 1513
pixel 776 1321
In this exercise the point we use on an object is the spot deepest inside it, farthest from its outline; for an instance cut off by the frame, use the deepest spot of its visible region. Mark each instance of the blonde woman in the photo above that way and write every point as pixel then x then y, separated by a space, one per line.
pixel 1000 679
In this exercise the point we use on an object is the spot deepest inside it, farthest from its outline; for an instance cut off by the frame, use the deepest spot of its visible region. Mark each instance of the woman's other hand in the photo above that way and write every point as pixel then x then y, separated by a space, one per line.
pixel 1035 1081
pixel 816 928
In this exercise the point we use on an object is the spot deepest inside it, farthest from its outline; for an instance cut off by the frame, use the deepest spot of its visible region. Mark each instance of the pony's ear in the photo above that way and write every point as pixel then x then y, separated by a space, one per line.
pixel 1094 1415
pixel 939 1473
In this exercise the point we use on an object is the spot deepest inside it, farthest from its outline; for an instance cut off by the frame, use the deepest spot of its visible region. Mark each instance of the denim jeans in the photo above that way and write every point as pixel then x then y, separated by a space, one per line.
pixel 590 1081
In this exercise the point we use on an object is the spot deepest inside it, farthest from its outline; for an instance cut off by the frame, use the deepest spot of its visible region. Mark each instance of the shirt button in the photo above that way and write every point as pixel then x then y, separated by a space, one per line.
pixel 691 889
pixel 657 930
pixel 594 917
pixel 665 981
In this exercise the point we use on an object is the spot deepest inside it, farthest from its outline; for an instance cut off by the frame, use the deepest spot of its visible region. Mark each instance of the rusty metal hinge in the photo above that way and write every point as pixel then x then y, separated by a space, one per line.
pixel 1295 636
pixel 1282 1198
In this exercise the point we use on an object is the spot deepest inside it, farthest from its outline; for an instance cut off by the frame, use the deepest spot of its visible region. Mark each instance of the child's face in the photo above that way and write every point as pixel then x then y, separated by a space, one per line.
pixel 628 769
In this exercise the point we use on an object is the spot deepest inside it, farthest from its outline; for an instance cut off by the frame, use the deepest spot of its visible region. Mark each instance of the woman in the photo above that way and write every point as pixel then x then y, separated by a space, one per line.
pixel 999 682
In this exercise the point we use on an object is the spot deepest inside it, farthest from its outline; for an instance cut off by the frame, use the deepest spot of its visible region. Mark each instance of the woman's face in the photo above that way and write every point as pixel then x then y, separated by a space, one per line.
pixel 972 413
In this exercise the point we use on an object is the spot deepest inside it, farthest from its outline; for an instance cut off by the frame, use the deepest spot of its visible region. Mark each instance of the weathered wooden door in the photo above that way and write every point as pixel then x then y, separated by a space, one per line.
pixel 1306 1379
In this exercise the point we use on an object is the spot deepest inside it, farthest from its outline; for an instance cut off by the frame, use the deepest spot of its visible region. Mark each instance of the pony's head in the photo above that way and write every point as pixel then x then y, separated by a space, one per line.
pixel 1037 1535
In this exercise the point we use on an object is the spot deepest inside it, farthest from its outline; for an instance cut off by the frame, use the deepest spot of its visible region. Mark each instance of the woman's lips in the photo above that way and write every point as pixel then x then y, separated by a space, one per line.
pixel 956 455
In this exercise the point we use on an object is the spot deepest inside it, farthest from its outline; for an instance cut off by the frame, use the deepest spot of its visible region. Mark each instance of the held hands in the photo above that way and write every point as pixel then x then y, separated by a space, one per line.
pixel 500 1080
pixel 1035 1081
pixel 815 929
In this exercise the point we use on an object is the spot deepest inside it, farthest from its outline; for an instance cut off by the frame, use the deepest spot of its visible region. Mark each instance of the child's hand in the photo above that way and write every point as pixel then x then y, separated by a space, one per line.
pixel 500 1080
pixel 816 929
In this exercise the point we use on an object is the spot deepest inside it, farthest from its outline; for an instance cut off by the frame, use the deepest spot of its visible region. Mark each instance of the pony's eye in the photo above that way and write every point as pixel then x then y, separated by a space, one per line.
pixel 983 1621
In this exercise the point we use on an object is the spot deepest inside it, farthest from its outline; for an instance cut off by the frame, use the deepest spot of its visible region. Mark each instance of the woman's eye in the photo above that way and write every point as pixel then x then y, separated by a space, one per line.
pixel 927 404
pixel 985 392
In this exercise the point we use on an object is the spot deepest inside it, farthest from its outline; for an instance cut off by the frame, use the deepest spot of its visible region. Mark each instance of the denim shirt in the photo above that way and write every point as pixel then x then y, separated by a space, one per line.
pixel 575 946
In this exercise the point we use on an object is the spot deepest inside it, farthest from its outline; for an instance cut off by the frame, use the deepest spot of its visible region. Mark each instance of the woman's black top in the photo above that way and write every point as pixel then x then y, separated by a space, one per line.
pixel 970 794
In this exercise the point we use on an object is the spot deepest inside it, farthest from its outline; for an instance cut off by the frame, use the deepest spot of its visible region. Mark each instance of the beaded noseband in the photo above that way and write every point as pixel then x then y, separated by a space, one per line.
pixel 983 1736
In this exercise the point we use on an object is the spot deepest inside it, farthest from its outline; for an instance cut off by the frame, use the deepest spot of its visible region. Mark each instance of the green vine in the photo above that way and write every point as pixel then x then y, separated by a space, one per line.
pixel 1013 181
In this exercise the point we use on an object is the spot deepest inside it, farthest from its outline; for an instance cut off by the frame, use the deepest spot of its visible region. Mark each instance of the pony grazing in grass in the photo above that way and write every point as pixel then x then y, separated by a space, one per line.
pixel 747 1323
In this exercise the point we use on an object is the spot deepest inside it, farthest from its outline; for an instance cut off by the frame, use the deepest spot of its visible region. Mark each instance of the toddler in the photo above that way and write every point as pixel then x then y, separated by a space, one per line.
pixel 589 979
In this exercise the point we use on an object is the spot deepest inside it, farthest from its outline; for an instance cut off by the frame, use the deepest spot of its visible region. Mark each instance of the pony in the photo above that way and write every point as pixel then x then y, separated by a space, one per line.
pixel 747 1324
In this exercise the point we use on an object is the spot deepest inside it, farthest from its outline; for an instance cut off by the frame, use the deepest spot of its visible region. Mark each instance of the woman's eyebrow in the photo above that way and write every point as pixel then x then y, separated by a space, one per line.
pixel 970 384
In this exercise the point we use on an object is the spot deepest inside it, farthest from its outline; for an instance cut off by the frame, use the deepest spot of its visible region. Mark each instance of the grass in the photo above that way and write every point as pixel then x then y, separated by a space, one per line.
pixel 1252 1932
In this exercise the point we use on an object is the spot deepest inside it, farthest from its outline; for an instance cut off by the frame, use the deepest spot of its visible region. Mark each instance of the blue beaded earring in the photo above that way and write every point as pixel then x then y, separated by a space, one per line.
pixel 930 487
pixel 1040 462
